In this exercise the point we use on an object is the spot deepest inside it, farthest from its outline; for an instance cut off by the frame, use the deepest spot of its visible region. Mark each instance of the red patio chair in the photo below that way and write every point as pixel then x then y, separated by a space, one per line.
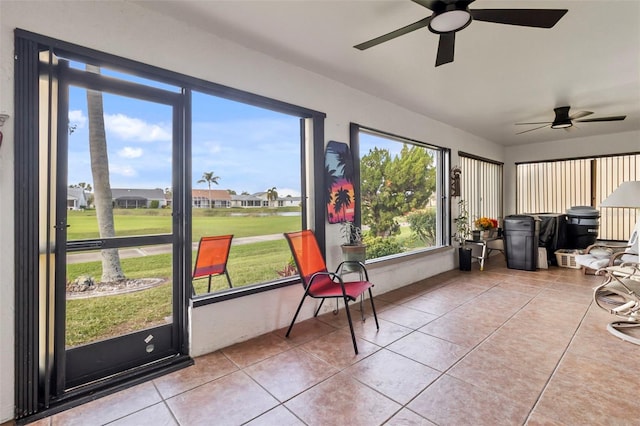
pixel 321 284
pixel 213 253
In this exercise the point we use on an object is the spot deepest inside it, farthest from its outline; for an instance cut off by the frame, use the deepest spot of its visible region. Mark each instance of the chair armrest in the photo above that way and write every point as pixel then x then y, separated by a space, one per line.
pixel 619 254
pixel 613 248
pixel 331 275
pixel 360 265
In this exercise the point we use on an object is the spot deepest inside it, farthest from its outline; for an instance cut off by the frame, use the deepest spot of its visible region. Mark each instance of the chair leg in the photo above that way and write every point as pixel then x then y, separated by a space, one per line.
pixel 228 279
pixel 318 310
pixel 297 312
pixel 617 329
pixel 209 288
pixel 353 334
pixel 373 308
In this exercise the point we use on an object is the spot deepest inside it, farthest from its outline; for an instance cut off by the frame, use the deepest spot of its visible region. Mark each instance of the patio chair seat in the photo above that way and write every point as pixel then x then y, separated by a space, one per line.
pixel 324 286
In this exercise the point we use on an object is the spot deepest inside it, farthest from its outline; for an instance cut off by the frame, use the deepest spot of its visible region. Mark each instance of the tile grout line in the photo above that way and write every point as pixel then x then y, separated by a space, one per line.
pixel 564 352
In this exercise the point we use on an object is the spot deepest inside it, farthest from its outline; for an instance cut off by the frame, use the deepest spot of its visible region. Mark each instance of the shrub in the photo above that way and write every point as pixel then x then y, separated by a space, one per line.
pixel 423 225
pixel 289 269
pixel 382 246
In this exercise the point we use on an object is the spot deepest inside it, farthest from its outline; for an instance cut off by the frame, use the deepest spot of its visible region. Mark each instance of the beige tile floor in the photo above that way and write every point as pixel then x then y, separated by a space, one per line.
pixel 498 347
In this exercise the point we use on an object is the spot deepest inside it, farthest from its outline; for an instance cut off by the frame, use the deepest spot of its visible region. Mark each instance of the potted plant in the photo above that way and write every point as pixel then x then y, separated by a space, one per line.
pixel 353 250
pixel 486 226
pixel 462 233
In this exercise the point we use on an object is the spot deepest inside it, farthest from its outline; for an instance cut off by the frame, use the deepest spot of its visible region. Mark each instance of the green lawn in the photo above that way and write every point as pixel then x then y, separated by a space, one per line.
pixel 97 318
pixel 83 224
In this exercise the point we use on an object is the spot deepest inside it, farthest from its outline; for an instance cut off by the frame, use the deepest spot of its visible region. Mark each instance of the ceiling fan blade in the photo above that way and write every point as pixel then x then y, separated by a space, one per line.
pixel 433 4
pixel 539 122
pixel 613 118
pixel 446 48
pixel 580 114
pixel 393 34
pixel 531 130
pixel 541 18
pixel 429 4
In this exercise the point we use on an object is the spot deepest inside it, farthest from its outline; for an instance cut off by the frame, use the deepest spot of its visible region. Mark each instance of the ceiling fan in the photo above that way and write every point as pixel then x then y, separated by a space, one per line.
pixel 450 16
pixel 564 121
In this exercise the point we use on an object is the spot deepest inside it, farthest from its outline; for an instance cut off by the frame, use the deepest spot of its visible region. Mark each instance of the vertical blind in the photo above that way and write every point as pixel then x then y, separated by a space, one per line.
pixel 481 187
pixel 555 186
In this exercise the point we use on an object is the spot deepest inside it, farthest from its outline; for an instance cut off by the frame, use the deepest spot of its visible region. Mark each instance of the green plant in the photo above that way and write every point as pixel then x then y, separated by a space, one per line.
pixel 382 246
pixel 289 269
pixel 351 233
pixel 423 225
pixel 462 223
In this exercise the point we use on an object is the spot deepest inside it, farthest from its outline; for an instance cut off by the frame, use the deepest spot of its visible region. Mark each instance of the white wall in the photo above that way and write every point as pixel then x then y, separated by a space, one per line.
pixel 569 148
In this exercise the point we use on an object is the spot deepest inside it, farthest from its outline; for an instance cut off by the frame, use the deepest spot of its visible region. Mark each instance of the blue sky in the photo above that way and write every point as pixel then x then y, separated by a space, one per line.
pixel 251 149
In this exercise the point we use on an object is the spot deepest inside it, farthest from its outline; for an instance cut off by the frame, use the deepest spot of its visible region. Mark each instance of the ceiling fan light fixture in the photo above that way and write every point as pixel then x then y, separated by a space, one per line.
pixel 561 125
pixel 450 21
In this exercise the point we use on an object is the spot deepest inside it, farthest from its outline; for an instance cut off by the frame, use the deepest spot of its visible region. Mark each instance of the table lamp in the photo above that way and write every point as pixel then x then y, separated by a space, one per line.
pixel 627 195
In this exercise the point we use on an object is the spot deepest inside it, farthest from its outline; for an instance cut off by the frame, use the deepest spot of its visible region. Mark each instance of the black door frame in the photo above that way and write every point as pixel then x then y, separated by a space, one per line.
pixel 91 362
pixel 39 384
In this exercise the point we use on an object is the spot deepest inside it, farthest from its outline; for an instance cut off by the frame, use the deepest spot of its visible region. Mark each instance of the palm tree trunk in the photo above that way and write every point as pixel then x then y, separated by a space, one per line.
pixel 111 269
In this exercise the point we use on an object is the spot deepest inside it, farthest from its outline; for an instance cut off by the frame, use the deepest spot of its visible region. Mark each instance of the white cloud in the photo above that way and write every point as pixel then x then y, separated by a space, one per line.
pixel 123 170
pixel 134 129
pixel 287 191
pixel 129 152
pixel 77 118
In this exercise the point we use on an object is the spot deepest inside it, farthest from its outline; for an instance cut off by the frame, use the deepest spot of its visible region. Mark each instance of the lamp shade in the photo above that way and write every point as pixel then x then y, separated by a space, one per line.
pixel 626 195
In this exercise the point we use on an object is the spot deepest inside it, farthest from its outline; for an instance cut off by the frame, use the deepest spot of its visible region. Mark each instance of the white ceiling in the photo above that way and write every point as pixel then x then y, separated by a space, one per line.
pixel 501 75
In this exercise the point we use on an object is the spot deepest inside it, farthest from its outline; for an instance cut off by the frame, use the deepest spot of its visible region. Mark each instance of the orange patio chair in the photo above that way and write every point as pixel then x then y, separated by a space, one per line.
pixel 322 284
pixel 213 253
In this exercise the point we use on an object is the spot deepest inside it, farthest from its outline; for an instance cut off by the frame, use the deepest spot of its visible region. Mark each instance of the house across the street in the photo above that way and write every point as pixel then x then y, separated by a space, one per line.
pixel 76 199
pixel 210 198
pixel 125 198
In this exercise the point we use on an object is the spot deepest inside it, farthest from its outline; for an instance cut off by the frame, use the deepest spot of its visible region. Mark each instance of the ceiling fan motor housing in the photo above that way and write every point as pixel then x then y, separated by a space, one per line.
pixel 449 18
pixel 562 119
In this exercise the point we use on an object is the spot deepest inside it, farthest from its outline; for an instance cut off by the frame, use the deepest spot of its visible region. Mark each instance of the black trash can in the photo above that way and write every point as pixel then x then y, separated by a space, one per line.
pixel 583 224
pixel 521 233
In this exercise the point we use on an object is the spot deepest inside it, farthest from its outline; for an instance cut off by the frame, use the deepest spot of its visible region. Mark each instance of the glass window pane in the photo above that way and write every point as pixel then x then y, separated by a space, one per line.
pixel 246 179
pixel 398 194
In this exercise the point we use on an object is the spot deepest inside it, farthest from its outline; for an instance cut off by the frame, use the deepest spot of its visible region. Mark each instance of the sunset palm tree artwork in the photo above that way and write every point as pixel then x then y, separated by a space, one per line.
pixel 340 195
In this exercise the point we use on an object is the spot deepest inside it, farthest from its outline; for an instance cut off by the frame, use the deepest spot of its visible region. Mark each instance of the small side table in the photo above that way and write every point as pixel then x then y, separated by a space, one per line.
pixel 488 245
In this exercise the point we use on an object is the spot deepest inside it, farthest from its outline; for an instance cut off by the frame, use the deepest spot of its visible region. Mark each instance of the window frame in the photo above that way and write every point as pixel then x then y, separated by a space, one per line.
pixel 443 195
pixel 311 137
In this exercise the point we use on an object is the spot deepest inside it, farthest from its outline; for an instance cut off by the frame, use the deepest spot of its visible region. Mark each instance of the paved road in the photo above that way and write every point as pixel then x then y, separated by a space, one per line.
pixel 128 253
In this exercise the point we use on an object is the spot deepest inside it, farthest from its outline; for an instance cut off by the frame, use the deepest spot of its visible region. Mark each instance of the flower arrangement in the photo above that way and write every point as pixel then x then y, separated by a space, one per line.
pixel 485 223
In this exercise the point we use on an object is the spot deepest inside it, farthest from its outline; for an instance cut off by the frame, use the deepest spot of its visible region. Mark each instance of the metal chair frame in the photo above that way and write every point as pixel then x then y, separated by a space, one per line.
pixel 319 283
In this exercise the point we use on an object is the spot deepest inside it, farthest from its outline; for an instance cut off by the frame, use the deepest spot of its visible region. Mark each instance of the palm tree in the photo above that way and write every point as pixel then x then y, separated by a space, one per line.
pixel 209 178
pixel 330 179
pixel 103 199
pixel 272 194
pixel 342 201
pixel 346 161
